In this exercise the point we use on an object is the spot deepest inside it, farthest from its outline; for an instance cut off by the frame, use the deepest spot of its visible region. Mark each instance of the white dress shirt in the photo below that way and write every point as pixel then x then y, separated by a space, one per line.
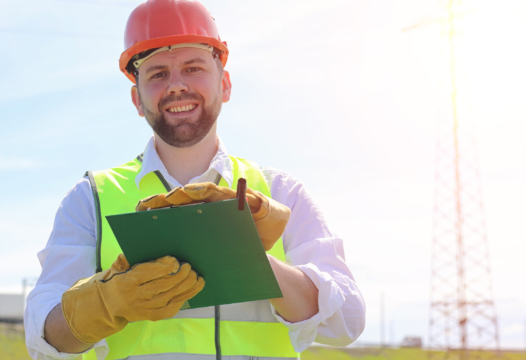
pixel 309 246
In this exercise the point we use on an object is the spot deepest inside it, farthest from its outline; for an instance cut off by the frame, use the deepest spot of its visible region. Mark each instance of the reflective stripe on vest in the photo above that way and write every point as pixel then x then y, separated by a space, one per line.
pixel 248 330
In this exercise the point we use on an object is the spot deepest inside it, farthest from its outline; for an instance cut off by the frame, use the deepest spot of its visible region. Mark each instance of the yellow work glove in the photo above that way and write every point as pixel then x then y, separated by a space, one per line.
pixel 103 304
pixel 270 216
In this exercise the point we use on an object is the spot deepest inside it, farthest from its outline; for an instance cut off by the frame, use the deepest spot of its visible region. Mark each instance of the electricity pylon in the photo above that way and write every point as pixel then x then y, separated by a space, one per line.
pixel 463 319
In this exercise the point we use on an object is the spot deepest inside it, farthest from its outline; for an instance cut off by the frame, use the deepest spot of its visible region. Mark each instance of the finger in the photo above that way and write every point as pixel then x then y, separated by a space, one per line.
pixel 165 297
pixel 209 192
pixel 271 221
pixel 255 199
pixel 165 283
pixel 172 308
pixel 148 271
pixel 120 265
pixel 186 284
pixel 166 312
pixel 191 292
pixel 178 197
pixel 152 202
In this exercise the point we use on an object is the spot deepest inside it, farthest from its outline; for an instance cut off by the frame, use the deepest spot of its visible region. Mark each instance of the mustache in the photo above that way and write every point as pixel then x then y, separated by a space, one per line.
pixel 173 98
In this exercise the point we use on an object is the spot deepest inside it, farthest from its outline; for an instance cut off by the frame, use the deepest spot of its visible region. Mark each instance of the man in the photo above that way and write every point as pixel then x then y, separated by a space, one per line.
pixel 176 59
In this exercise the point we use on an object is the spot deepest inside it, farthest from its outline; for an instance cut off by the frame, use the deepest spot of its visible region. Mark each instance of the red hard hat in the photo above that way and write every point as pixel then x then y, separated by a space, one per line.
pixel 159 23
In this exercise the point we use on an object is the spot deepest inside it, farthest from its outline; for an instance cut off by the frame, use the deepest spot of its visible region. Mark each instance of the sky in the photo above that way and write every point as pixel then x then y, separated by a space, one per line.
pixel 345 95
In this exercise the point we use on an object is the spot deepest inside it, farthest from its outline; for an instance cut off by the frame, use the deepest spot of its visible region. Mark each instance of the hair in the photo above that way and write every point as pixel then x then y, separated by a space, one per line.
pixel 130 67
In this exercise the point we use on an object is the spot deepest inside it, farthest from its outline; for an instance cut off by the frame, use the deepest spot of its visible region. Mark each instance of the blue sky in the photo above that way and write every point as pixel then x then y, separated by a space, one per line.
pixel 333 92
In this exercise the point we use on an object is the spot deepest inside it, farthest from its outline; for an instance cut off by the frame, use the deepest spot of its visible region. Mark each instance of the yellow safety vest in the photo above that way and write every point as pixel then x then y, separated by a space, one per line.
pixel 241 331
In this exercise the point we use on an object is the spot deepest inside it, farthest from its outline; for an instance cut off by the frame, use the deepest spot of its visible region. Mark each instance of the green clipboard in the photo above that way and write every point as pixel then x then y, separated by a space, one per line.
pixel 219 241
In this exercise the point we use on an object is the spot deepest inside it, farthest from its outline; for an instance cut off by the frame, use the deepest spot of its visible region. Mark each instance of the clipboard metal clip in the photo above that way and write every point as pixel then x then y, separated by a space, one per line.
pixel 175 206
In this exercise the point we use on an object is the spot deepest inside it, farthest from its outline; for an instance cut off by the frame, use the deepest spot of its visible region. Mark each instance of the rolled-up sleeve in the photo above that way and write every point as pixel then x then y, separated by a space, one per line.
pixel 312 248
pixel 68 256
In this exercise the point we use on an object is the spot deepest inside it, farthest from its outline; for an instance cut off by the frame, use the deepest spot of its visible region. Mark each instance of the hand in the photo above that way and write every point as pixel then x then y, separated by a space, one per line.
pixel 270 216
pixel 103 304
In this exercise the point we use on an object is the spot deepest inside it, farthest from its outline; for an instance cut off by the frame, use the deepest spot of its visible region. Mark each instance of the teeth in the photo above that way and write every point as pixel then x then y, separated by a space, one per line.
pixel 182 108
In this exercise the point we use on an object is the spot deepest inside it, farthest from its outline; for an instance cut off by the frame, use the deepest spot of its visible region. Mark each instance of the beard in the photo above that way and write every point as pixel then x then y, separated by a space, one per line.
pixel 184 133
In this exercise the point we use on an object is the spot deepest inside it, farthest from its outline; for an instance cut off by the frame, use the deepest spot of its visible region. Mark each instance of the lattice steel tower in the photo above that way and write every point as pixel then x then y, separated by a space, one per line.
pixel 463 317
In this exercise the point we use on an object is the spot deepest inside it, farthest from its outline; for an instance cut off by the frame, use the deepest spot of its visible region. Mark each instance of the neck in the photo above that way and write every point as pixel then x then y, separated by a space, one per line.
pixel 183 164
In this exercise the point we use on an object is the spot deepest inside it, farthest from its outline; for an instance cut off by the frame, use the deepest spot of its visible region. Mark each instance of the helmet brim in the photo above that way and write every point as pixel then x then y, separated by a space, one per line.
pixel 165 41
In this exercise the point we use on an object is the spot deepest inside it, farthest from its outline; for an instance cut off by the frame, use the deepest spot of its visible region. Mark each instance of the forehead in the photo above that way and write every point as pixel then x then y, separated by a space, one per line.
pixel 178 57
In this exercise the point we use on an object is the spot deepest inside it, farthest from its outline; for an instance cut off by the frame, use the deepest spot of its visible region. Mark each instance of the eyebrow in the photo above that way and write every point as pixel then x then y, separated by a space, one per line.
pixel 195 60
pixel 155 67
pixel 188 62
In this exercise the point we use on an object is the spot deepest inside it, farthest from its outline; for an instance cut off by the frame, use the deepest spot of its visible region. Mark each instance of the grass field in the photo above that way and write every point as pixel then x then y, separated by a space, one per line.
pixel 12 347
pixel 322 353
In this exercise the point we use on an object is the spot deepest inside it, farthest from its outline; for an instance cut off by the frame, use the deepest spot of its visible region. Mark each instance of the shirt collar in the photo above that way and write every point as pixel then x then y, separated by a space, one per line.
pixel 220 164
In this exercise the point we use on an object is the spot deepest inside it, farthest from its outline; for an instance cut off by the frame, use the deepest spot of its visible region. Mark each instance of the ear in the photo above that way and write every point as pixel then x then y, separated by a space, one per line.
pixel 136 99
pixel 227 86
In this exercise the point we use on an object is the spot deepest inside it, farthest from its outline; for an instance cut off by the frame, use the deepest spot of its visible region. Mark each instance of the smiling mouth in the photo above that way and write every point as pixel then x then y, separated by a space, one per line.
pixel 180 109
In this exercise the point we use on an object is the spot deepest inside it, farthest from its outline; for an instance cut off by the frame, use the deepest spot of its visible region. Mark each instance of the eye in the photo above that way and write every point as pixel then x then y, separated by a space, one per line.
pixel 158 75
pixel 192 70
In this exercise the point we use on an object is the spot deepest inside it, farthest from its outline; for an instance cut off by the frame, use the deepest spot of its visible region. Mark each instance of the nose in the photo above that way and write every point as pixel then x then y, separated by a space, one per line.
pixel 176 85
